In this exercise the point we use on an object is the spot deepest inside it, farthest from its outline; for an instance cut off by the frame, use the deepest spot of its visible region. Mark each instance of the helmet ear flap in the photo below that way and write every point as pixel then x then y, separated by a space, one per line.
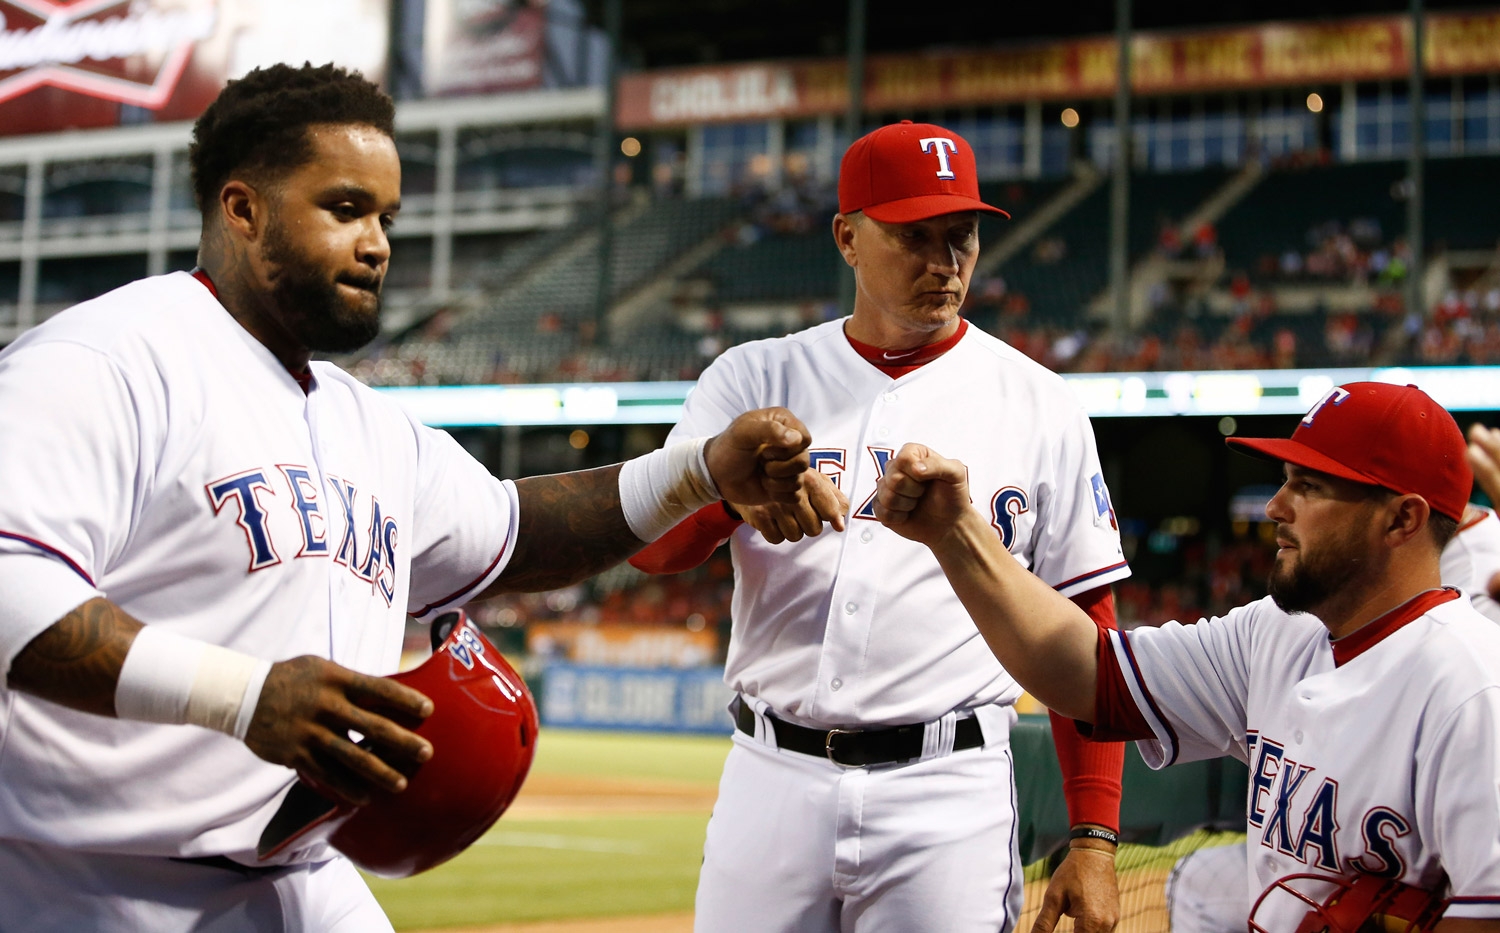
pixel 483 731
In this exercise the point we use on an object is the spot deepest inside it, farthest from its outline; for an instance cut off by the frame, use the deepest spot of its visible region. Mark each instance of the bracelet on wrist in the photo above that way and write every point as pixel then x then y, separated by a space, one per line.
pixel 1094 832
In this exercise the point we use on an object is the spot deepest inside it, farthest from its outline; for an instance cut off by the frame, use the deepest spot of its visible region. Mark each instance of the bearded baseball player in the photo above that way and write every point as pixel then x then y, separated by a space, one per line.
pixel 1203 891
pixel 871 782
pixel 209 544
pixel 1363 694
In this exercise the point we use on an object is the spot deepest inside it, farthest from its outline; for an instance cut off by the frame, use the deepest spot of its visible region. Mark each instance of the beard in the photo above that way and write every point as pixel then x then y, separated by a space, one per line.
pixel 311 306
pixel 1316 576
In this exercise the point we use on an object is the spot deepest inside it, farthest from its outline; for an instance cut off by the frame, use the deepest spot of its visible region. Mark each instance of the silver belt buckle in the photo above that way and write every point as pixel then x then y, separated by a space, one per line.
pixel 828 745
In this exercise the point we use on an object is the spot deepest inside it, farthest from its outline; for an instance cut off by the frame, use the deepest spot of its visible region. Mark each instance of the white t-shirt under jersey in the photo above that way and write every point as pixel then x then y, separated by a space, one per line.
pixel 154 448
pixel 862 627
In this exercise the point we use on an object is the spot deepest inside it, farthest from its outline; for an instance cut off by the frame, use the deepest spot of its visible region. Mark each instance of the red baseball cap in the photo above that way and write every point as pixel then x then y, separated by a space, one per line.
pixel 909 171
pixel 1382 434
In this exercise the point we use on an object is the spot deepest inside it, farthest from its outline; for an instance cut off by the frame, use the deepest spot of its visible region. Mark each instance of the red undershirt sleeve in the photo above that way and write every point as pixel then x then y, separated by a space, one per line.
pixel 1116 716
pixel 1090 769
pixel 690 542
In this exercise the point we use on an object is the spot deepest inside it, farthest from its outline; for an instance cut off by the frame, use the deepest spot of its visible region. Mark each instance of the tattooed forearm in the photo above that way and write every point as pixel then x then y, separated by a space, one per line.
pixel 76 662
pixel 571 528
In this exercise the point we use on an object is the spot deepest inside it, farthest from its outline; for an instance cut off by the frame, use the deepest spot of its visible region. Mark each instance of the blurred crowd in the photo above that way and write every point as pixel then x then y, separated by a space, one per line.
pixel 1233 321
pixel 697 600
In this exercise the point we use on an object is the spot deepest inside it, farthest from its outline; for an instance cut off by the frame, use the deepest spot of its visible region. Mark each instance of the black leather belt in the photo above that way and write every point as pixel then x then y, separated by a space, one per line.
pixel 228 864
pixel 854 748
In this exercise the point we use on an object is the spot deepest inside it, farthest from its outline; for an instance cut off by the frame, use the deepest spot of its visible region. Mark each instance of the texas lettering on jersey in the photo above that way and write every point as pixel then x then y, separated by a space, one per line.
pixel 1297 814
pixel 247 498
pixel 1006 505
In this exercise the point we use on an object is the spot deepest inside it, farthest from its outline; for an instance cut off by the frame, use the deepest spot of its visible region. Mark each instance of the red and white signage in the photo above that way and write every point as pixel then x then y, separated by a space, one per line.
pixel 73 63
pixel 483 46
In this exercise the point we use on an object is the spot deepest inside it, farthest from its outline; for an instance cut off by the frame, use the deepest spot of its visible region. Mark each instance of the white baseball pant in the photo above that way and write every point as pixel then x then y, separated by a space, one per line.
pixel 52 890
pixel 798 844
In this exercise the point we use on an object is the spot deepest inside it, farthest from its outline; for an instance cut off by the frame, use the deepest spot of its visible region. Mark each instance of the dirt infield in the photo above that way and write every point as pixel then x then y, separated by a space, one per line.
pixel 561 796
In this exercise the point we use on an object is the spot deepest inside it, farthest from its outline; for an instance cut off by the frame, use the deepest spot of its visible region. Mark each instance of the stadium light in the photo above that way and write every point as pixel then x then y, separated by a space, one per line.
pixel 1315 102
pixel 630 146
pixel 1069 117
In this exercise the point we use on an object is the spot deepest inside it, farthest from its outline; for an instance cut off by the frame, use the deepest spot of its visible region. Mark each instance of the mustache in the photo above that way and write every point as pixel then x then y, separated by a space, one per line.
pixel 370 283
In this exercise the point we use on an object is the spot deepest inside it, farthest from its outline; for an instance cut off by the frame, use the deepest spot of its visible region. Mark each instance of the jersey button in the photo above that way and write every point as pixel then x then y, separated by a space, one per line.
pixel 835 683
pixel 891 396
pixel 1298 736
pixel 883 432
pixel 851 608
pixel 866 536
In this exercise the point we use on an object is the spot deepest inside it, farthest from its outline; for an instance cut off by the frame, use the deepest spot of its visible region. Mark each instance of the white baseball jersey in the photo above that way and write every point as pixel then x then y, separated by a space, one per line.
pixel 164 457
pixel 1472 558
pixel 863 627
pixel 1377 753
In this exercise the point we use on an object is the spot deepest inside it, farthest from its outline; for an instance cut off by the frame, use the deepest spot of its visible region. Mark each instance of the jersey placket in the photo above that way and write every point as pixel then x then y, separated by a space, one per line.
pixel 855 594
pixel 314 444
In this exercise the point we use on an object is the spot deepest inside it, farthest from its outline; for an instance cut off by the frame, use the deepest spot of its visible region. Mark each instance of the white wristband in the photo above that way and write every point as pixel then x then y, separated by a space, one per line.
pixel 170 678
pixel 665 486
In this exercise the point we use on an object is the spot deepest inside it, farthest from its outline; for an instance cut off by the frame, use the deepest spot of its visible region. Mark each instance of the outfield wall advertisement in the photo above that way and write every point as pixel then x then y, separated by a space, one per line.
pixel 1270 54
pixel 74 63
pixel 651 699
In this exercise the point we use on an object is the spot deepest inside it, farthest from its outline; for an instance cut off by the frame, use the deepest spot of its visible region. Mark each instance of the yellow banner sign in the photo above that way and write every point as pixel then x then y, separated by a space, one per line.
pixel 1375 48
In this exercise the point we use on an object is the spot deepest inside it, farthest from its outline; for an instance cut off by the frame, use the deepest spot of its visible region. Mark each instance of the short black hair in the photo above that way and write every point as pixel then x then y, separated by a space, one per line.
pixel 258 124
pixel 1444 527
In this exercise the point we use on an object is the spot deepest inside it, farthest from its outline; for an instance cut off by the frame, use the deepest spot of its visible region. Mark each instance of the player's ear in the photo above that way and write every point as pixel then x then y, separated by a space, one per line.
pixel 843 236
pixel 1408 516
pixel 241 209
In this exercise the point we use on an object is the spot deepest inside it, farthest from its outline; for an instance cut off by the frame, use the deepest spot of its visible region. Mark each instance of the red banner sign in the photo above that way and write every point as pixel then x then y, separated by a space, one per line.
pixel 73 63
pixel 1225 59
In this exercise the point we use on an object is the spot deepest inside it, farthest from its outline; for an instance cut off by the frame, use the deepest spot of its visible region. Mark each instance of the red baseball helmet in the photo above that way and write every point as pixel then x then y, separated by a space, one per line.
pixel 483 731
pixel 1364 904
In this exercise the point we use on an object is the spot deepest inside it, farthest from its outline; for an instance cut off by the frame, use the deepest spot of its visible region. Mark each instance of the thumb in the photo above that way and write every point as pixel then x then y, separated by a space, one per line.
pixel 786 430
pixel 911 458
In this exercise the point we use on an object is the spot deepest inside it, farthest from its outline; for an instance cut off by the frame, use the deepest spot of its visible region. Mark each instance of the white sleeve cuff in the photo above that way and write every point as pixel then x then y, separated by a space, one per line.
pixel 35 591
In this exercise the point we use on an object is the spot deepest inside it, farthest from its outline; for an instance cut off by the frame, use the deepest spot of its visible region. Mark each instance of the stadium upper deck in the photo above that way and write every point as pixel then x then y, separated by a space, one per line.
pixel 1267 223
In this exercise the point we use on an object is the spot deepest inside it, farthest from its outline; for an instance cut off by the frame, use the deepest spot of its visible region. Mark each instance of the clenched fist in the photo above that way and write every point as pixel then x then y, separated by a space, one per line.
pixel 923 494
pixel 758 458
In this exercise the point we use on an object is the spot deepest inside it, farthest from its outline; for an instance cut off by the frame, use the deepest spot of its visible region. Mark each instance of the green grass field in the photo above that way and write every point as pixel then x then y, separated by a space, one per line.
pixel 641 755
pixel 596 861
pixel 587 838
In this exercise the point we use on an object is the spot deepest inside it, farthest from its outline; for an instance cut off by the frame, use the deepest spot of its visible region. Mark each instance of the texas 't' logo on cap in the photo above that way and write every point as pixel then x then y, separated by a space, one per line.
pixel 1386 435
pixel 909 171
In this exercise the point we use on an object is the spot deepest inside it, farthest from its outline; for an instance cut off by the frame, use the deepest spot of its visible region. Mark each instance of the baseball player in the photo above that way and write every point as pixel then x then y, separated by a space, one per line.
pixel 1363 695
pixel 1198 899
pixel 870 786
pixel 208 544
